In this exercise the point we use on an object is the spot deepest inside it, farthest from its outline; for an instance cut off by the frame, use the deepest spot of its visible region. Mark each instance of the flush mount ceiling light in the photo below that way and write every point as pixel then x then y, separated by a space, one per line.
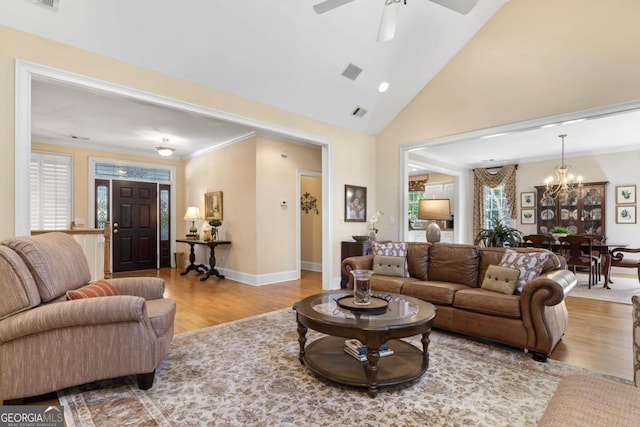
pixel 383 87
pixel 165 151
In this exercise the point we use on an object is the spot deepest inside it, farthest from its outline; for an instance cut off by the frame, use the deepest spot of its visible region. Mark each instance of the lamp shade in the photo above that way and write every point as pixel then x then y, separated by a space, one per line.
pixel 193 213
pixel 434 209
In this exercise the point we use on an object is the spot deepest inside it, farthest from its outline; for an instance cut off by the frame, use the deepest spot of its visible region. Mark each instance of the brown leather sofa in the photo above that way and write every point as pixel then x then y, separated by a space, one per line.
pixel 450 276
pixel 48 343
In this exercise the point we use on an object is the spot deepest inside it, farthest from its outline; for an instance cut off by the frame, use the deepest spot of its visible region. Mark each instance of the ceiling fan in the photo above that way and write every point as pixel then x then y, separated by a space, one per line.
pixel 390 12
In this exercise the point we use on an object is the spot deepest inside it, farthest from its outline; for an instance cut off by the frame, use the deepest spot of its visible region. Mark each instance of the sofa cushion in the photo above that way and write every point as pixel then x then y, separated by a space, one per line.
pixel 451 262
pixel 434 292
pixel 101 288
pixel 493 256
pixel 393 284
pixel 392 249
pixel 418 259
pixel 488 302
pixel 389 265
pixel 501 279
pixel 529 263
pixel 56 262
pixel 17 286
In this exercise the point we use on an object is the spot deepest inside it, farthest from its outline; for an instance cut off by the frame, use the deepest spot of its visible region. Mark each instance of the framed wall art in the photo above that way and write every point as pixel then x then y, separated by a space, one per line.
pixel 626 214
pixel 355 203
pixel 528 200
pixel 528 216
pixel 625 194
pixel 213 205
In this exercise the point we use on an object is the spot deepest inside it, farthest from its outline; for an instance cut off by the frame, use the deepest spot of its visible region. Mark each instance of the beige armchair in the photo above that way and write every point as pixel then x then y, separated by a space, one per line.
pixel 48 343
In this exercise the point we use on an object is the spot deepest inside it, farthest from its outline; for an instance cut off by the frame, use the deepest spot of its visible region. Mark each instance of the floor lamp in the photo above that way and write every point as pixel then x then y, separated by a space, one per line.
pixel 434 210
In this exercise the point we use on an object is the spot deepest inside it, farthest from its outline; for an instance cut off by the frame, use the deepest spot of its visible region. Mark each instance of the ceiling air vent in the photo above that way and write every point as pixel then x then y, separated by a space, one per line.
pixel 352 72
pixel 53 4
pixel 359 112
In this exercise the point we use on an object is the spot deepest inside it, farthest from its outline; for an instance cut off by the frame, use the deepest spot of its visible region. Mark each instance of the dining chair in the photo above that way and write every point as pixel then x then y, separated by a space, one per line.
pixel 618 258
pixel 596 239
pixel 538 240
pixel 578 251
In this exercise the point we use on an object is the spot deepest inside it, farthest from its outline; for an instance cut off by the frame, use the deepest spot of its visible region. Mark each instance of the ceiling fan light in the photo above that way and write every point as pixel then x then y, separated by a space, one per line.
pixel 165 151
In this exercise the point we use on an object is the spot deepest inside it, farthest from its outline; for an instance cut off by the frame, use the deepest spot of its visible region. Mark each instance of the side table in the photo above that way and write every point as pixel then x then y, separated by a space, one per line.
pixel 209 270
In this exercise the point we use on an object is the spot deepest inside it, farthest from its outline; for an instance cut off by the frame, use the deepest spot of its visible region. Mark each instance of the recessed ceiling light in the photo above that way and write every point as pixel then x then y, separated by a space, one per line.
pixel 383 87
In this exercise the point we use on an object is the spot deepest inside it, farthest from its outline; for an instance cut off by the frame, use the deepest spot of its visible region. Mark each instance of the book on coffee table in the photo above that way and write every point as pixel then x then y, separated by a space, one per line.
pixel 356 349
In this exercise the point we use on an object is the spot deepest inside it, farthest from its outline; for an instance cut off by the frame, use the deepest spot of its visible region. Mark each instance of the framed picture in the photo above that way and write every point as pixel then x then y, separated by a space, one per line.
pixel 213 205
pixel 355 203
pixel 625 194
pixel 528 216
pixel 626 214
pixel 528 200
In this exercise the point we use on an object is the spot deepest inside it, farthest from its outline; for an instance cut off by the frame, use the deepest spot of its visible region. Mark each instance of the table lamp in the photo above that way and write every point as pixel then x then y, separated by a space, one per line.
pixel 193 213
pixel 434 210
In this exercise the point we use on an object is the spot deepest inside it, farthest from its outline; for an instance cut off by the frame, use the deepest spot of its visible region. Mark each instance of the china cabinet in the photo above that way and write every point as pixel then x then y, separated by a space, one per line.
pixel 581 212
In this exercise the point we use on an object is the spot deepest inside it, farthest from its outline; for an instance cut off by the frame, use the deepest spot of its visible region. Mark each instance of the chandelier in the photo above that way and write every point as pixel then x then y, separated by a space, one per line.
pixel 564 182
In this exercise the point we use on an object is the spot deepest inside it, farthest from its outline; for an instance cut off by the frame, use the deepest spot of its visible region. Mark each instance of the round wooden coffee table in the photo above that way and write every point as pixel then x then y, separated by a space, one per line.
pixel 405 317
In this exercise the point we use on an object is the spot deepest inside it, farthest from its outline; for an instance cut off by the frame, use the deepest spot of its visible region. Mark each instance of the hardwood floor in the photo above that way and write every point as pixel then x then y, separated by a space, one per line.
pixel 598 337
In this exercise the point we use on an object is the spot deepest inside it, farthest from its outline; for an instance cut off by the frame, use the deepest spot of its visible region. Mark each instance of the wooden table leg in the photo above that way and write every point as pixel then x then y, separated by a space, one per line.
pixel 200 268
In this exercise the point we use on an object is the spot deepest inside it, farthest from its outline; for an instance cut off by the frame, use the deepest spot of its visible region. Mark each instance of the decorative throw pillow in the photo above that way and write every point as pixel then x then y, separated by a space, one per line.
pixel 392 249
pixel 501 279
pixel 529 263
pixel 101 288
pixel 389 265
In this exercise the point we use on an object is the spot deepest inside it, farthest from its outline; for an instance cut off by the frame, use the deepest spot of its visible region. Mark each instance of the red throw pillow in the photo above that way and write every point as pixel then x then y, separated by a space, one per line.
pixel 101 288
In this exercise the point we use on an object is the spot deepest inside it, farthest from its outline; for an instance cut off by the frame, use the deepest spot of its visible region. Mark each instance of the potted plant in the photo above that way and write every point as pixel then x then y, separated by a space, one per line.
pixel 558 231
pixel 499 235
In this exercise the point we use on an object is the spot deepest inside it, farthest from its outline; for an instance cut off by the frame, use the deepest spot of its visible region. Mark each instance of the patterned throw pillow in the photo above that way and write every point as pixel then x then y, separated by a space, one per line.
pixel 101 288
pixel 392 249
pixel 501 279
pixel 529 263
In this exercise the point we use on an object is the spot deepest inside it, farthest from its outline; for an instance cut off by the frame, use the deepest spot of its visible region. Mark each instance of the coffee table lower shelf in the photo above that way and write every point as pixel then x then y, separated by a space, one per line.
pixel 326 358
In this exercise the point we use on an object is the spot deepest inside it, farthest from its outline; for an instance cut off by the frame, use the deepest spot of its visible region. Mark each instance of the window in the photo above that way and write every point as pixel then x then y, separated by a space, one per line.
pixel 495 205
pixel 414 199
pixel 50 190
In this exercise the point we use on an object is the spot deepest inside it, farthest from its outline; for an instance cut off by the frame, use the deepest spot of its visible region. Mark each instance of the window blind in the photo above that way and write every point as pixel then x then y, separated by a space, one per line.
pixel 50 188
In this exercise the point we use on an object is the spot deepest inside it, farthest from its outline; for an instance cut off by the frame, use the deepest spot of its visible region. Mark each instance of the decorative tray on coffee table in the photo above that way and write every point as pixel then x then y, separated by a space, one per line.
pixel 378 304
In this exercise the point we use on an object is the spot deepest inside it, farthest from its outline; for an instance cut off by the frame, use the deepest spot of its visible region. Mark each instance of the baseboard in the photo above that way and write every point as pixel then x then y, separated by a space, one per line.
pixel 261 279
pixel 311 266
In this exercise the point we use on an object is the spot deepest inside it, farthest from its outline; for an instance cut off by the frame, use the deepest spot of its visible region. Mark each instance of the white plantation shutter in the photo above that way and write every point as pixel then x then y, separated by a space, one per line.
pixel 50 181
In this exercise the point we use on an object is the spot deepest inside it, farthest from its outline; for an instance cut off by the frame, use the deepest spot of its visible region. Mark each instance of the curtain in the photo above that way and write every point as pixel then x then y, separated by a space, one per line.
pixel 484 178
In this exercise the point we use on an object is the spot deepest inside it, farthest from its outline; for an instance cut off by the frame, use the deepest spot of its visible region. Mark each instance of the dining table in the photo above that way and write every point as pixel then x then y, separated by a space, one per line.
pixel 604 249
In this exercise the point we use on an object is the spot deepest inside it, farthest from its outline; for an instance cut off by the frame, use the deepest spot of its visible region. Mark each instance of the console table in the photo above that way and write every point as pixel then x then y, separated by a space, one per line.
pixel 209 270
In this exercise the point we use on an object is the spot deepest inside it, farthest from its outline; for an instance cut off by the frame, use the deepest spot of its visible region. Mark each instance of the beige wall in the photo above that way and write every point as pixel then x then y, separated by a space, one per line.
pixel 533 59
pixel 276 181
pixel 311 222
pixel 232 171
pixel 345 145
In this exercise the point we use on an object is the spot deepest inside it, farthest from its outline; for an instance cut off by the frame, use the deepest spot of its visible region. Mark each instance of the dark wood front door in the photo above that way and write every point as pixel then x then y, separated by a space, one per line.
pixel 135 213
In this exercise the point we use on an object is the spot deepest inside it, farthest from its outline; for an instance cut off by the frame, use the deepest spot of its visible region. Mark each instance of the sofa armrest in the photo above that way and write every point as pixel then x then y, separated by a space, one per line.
pixel 364 262
pixel 544 313
pixel 146 287
pixel 75 313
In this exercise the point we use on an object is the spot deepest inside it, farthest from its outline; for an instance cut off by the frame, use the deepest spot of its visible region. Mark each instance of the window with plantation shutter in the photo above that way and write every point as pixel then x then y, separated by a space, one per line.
pixel 50 182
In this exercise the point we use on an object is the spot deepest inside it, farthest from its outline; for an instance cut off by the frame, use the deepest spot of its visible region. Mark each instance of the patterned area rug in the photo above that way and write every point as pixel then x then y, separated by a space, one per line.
pixel 622 289
pixel 247 373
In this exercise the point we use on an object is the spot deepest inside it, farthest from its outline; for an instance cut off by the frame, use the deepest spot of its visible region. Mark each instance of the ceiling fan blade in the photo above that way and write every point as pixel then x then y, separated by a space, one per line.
pixel 460 6
pixel 328 5
pixel 389 21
